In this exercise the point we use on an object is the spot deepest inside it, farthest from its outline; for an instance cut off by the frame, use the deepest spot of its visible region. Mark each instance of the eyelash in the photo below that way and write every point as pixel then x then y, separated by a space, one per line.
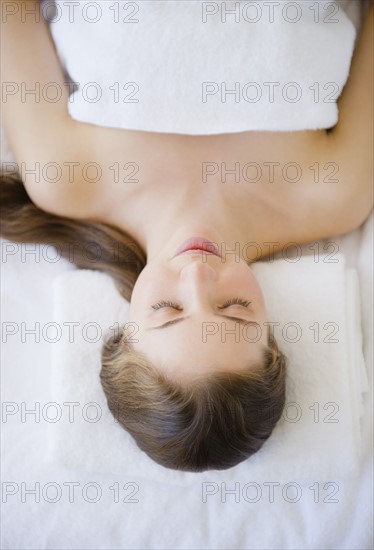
pixel 237 301
pixel 228 303
pixel 165 303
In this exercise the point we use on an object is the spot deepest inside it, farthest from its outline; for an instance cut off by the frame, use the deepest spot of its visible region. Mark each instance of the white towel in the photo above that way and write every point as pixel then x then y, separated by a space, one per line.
pixel 169 66
pixel 326 379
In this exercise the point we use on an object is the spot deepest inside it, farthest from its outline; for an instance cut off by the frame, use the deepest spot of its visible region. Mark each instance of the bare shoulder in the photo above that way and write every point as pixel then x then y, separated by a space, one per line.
pixel 60 175
pixel 337 195
pixel 95 169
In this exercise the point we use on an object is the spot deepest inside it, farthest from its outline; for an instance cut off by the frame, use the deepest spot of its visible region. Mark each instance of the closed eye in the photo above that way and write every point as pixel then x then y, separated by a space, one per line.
pixel 166 303
pixel 235 301
pixel 178 307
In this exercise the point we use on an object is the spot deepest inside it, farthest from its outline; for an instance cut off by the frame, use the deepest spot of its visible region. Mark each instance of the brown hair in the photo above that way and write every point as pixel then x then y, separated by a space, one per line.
pixel 117 254
pixel 211 423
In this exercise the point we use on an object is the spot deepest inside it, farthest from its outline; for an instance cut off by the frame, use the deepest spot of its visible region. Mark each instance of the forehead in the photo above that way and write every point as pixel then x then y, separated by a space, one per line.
pixel 186 349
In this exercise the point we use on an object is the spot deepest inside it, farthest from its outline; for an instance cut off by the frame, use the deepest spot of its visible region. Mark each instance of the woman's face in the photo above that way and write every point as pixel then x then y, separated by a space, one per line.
pixel 198 312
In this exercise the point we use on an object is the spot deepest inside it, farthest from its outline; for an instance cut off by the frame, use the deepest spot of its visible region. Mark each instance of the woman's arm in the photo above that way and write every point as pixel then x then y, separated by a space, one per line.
pixel 354 129
pixel 341 198
pixel 352 139
pixel 39 128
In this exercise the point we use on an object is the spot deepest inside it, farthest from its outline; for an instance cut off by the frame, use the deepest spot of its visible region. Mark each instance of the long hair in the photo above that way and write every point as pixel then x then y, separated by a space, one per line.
pixel 86 244
pixel 212 423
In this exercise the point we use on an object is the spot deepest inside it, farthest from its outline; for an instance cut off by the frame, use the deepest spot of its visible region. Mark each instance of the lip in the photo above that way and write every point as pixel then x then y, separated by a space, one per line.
pixel 199 244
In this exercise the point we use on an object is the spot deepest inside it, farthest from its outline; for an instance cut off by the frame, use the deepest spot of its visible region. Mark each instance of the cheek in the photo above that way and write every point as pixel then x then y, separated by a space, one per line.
pixel 244 281
pixel 257 290
pixel 150 286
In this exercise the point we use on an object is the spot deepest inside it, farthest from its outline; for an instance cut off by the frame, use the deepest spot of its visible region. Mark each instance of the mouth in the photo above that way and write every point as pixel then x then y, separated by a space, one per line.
pixel 198 244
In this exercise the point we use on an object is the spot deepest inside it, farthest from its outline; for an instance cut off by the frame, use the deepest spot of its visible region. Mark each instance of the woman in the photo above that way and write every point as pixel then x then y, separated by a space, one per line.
pixel 193 397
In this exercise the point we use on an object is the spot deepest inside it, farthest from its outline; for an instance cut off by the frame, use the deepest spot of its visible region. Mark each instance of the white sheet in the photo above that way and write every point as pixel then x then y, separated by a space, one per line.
pixel 164 517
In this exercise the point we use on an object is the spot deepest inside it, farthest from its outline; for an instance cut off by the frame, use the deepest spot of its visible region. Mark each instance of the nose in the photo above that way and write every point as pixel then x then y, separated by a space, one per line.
pixel 198 272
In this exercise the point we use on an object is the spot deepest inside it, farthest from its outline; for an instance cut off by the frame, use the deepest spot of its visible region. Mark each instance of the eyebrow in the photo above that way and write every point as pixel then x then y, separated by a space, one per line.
pixel 180 319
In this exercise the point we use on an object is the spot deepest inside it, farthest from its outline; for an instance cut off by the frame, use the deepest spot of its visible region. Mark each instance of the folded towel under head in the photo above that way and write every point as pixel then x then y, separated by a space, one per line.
pixel 318 437
pixel 197 67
